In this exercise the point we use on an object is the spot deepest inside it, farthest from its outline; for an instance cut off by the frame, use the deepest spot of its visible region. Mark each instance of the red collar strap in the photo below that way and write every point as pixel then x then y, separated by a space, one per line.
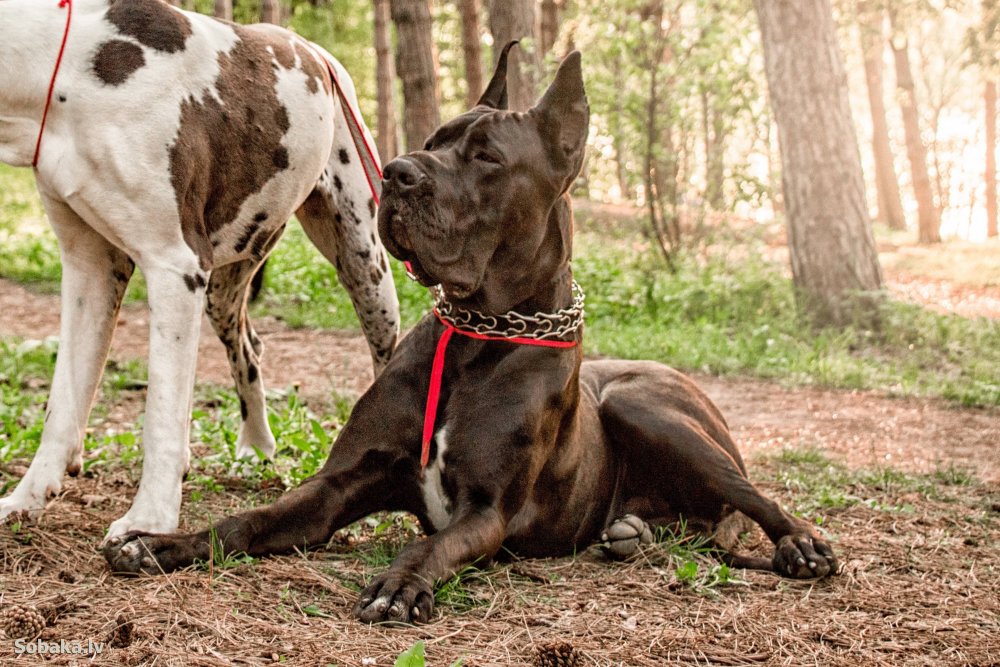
pixel 437 367
pixel 68 4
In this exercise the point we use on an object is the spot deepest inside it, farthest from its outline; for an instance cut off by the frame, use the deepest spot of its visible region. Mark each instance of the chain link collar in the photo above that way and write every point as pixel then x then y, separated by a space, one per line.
pixel 560 325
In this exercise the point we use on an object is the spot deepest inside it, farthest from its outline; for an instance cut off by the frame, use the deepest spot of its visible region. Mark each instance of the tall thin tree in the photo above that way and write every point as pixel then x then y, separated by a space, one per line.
pixel 270 11
pixel 928 221
pixel 870 27
pixel 549 23
pixel 472 50
pixel 990 104
pixel 416 64
pixel 385 80
pixel 829 232
pixel 985 50
pixel 224 9
pixel 510 20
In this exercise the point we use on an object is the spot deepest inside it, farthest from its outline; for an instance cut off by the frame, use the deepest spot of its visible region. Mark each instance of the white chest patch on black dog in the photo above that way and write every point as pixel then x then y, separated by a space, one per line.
pixel 436 500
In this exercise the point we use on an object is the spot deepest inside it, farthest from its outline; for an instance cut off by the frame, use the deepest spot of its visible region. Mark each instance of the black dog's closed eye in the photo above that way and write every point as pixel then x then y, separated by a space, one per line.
pixel 486 156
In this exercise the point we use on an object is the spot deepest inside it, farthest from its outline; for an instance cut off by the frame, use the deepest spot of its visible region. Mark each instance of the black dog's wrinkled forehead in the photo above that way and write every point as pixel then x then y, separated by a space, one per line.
pixel 455 128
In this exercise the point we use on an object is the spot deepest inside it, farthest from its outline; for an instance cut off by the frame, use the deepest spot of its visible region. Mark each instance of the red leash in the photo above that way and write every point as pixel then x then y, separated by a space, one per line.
pixel 437 372
pixel 52 84
pixel 373 170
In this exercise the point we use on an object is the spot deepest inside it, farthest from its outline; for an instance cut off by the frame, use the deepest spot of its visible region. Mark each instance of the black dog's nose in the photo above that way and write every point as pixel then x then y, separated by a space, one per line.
pixel 402 173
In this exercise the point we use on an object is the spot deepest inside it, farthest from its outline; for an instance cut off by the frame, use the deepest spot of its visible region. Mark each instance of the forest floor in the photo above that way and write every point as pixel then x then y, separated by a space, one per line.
pixel 908 489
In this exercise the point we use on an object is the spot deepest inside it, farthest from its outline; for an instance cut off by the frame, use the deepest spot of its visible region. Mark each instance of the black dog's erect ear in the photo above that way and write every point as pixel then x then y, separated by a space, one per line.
pixel 565 110
pixel 495 96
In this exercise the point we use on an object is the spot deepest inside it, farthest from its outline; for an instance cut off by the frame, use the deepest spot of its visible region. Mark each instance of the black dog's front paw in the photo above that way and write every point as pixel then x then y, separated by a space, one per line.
pixel 147 553
pixel 804 556
pixel 396 597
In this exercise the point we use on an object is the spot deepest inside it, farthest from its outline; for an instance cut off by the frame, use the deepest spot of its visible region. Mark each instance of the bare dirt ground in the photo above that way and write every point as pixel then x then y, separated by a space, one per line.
pixel 919 585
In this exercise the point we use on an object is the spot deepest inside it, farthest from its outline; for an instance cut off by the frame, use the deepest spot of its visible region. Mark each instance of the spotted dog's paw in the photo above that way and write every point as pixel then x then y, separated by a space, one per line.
pixel 12 511
pixel 623 538
pixel 396 598
pixel 804 556
pixel 138 552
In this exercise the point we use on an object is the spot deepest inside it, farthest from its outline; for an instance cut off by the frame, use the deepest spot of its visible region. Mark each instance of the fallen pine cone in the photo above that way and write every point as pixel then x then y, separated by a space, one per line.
pixel 556 654
pixel 21 622
pixel 123 634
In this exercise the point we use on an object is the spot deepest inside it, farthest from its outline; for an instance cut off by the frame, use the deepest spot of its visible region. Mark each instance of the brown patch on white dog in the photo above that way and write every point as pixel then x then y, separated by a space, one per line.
pixel 151 23
pixel 228 150
pixel 116 60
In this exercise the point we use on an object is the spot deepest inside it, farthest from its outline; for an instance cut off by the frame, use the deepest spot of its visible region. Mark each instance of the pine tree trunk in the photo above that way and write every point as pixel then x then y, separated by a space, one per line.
pixel 515 19
pixel 416 64
pixel 829 232
pixel 928 222
pixel 549 24
pixel 991 158
pixel 472 51
pixel 385 79
pixel 270 11
pixel 618 133
pixel 224 9
pixel 714 129
pixel 890 204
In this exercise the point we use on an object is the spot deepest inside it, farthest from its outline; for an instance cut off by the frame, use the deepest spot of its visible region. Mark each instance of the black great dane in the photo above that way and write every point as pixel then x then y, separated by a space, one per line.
pixel 486 424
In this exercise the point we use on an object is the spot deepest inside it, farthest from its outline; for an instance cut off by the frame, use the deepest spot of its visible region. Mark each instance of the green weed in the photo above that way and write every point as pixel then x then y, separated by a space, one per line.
pixel 415 657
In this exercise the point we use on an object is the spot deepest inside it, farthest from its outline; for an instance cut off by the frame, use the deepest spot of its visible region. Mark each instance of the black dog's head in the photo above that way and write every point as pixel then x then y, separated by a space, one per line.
pixel 482 209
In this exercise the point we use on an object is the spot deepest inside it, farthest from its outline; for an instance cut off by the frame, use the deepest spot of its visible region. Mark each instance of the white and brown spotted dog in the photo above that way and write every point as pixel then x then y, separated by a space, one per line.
pixel 181 144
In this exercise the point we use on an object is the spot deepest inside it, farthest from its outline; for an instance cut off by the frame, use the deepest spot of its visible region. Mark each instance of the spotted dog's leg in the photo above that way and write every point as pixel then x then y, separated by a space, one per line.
pixel 176 287
pixel 94 277
pixel 227 298
pixel 339 218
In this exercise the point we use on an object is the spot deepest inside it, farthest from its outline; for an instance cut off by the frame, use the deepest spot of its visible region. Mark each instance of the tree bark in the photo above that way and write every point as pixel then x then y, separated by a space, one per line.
pixel 890 203
pixel 515 19
pixel 713 126
pixel 928 222
pixel 991 158
pixel 618 132
pixel 829 231
pixel 416 63
pixel 472 51
pixel 385 79
pixel 224 9
pixel 549 24
pixel 270 11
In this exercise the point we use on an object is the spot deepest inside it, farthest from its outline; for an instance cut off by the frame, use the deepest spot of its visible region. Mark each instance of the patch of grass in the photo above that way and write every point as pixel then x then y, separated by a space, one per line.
pixel 726 318
pixel 28 250
pixel 301 288
pixel 689 559
pixel 455 593
pixel 304 438
pixel 819 484
pixel 220 560
pixel 389 533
